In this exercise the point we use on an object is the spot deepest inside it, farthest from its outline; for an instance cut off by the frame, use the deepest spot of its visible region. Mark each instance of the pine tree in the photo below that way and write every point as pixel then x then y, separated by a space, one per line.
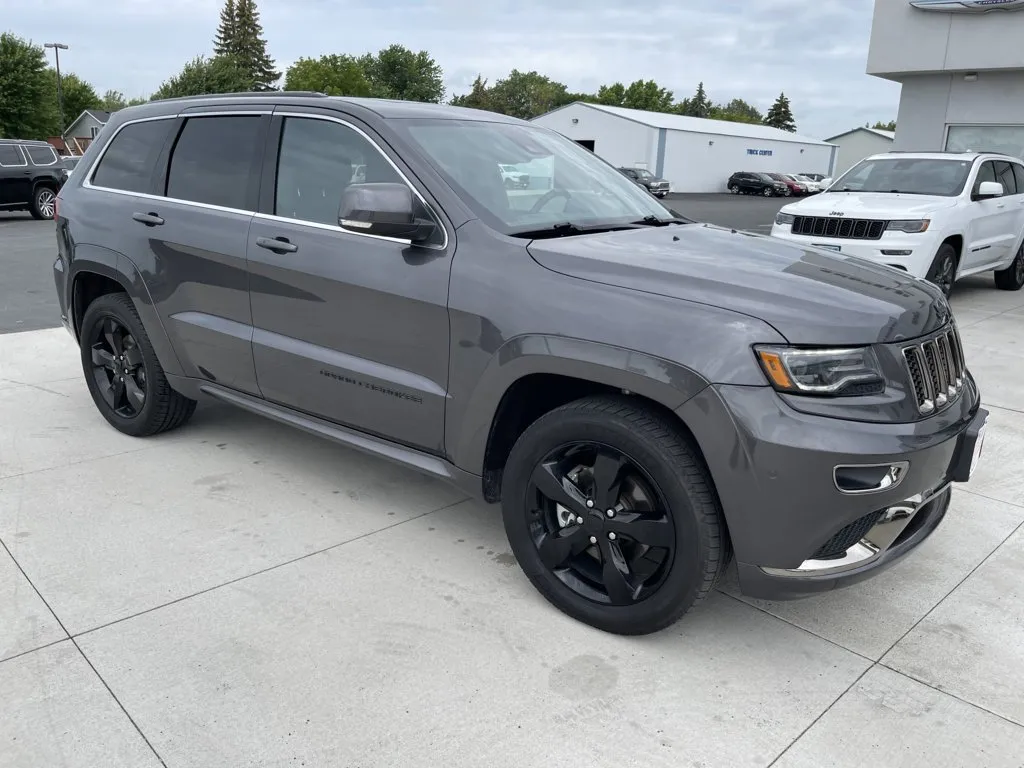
pixel 781 115
pixel 224 41
pixel 240 37
pixel 698 106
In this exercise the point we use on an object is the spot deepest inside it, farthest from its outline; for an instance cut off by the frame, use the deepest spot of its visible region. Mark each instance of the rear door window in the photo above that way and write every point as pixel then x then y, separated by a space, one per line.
pixel 1004 175
pixel 212 161
pixel 10 155
pixel 127 164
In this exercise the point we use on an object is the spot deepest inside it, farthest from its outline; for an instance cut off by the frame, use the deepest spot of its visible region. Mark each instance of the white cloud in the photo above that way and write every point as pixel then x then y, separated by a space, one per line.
pixel 814 51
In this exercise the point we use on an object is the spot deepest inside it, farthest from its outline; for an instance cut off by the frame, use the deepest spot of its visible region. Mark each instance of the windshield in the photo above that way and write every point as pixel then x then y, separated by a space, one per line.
pixel 912 176
pixel 764 177
pixel 567 183
pixel 645 175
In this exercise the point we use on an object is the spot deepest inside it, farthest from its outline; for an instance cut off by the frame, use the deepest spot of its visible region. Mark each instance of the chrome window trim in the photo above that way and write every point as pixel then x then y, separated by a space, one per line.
pixel 24 158
pixel 87 183
pixel 430 209
pixel 53 152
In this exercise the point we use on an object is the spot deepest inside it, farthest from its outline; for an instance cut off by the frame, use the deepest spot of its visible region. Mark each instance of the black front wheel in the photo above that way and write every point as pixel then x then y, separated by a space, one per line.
pixel 942 273
pixel 44 203
pixel 122 371
pixel 1012 278
pixel 612 515
pixel 768 192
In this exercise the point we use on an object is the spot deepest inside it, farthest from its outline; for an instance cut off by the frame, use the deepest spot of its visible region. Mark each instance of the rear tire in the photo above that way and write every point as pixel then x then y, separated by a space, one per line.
pixel 1012 278
pixel 122 371
pixel 661 493
pixel 44 202
pixel 942 272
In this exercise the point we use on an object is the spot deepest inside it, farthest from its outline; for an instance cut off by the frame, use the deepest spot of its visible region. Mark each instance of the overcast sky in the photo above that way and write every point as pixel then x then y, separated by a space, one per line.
pixel 814 50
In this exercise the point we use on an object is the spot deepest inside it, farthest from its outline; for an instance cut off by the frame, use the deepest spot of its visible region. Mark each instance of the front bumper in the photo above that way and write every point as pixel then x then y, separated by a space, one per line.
pixel 793 530
pixel 911 253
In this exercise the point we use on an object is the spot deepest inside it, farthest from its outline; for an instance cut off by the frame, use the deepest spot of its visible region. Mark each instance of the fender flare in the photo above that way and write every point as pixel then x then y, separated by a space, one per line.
pixel 667 383
pixel 119 268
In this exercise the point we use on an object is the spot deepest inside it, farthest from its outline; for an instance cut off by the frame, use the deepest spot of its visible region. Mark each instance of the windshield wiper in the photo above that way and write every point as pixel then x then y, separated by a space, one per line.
pixel 654 221
pixel 567 228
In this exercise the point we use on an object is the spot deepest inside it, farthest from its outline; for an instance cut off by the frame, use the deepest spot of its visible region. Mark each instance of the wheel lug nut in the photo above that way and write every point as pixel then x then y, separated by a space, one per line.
pixel 611 536
pixel 593 539
pixel 590 503
pixel 579 520
pixel 610 513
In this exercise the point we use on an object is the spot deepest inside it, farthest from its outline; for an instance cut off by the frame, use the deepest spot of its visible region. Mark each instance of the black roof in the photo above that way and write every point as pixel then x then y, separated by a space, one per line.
pixel 384 108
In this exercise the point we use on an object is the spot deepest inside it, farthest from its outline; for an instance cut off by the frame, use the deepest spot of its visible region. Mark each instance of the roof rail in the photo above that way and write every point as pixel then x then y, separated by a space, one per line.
pixel 244 94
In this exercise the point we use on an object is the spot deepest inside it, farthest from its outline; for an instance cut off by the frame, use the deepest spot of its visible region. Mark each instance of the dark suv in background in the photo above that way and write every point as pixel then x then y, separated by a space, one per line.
pixel 31 175
pixel 744 183
pixel 656 185
pixel 644 396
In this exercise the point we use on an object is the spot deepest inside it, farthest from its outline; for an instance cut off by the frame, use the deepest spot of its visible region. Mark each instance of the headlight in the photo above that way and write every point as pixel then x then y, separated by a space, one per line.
pixel 784 218
pixel 837 372
pixel 909 225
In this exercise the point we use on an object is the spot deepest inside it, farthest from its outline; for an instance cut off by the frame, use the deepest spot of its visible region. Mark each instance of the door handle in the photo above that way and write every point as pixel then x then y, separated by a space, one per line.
pixel 277 244
pixel 149 219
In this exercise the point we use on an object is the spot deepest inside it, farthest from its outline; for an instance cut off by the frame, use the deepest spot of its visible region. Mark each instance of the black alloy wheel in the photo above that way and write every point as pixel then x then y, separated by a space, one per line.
pixel 1012 278
pixel 118 368
pixel 613 516
pixel 123 373
pixel 600 524
pixel 942 273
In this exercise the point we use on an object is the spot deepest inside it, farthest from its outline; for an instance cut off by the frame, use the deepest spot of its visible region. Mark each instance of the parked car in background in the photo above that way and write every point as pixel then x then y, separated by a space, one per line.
pixel 793 187
pixel 813 176
pixel 644 396
pixel 68 163
pixel 30 177
pixel 513 178
pixel 937 215
pixel 744 183
pixel 813 187
pixel 656 185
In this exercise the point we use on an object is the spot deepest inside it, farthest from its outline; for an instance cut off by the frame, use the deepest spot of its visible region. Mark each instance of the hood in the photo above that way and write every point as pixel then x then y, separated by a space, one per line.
pixel 870 205
pixel 809 296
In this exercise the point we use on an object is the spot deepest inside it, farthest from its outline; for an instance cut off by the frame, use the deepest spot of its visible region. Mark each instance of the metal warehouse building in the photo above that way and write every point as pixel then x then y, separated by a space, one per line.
pixel 694 154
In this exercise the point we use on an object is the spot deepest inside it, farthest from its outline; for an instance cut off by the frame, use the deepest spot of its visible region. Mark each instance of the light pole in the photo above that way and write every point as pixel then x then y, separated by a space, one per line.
pixel 57 48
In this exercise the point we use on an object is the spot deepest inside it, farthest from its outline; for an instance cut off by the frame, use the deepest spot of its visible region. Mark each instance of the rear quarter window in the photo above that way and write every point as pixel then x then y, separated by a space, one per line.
pixel 127 163
pixel 10 155
pixel 42 155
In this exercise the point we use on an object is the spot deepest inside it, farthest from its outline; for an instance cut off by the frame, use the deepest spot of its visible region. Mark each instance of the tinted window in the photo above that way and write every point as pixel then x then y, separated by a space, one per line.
pixel 317 161
pixel 10 155
pixel 1004 175
pixel 987 172
pixel 42 155
pixel 128 162
pixel 906 175
pixel 1018 172
pixel 212 160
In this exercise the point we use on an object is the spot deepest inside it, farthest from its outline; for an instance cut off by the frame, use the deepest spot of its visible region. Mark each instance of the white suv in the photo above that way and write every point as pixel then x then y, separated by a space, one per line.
pixel 937 215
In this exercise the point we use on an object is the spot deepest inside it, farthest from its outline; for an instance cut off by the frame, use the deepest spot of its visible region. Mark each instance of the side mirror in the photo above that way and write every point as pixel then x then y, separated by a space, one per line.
pixel 988 190
pixel 383 209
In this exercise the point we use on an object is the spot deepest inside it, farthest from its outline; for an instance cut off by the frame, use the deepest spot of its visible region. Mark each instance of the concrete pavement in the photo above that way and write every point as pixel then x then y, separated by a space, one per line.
pixel 241 594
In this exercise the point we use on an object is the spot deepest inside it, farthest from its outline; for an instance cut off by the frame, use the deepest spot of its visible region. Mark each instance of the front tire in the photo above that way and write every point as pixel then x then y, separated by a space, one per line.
pixel 768 193
pixel 1012 278
pixel 122 371
pixel 942 272
pixel 44 203
pixel 734 189
pixel 613 516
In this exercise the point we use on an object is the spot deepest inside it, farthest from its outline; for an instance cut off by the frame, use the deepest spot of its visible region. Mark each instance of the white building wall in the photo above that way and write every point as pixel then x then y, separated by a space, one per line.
pixel 621 142
pixel 700 162
pixel 855 146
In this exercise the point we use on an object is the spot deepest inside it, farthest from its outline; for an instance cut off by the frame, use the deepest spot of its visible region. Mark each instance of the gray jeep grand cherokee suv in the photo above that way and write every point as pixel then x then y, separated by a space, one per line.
pixel 644 395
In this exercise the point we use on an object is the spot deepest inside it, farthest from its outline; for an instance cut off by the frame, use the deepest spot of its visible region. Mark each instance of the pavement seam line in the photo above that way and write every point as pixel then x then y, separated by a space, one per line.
pixel 269 568
pixel 797 626
pixel 82 654
pixel 4 478
pixel 952 695
pixel 990 498
pixel 33 650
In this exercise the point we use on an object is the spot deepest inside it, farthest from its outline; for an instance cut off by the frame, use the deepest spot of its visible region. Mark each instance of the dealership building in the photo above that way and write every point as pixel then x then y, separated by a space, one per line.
pixel 961 65
pixel 693 154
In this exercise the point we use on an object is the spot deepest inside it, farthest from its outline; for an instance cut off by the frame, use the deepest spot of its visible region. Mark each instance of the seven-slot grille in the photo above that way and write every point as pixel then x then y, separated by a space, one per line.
pixel 830 226
pixel 936 367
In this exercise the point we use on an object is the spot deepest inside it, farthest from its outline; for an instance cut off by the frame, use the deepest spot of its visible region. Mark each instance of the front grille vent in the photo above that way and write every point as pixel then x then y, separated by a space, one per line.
pixel 831 226
pixel 937 370
pixel 835 548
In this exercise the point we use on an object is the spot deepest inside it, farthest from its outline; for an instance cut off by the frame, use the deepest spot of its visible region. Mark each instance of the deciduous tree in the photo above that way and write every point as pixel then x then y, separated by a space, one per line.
pixel 737 111
pixel 526 94
pixel 398 73
pixel 78 97
pixel 221 74
pixel 24 89
pixel 335 75
pixel 479 96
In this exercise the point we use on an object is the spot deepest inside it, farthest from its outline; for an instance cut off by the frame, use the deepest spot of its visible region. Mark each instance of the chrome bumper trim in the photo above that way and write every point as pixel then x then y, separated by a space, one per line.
pixel 870 548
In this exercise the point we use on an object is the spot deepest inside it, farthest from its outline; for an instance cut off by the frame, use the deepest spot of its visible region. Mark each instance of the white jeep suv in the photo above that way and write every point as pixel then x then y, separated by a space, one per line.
pixel 937 215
